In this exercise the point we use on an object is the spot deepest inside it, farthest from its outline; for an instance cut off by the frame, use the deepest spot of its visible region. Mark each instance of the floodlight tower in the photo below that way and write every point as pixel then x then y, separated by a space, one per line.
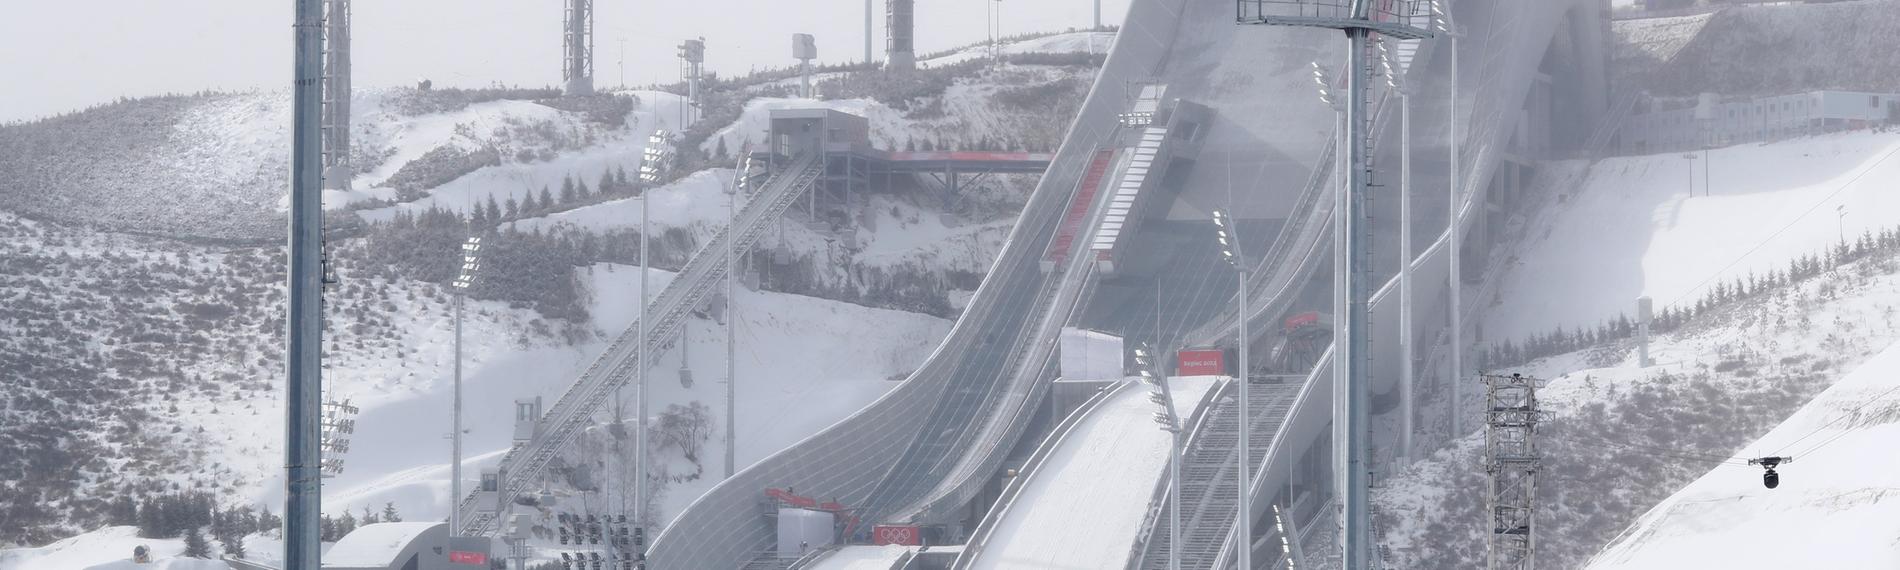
pixel 1162 395
pixel 1442 22
pixel 336 95
pixel 577 47
pixel 471 262
pixel 652 172
pixel 303 360
pixel 805 49
pixel 1359 19
pixel 1243 522
pixel 692 68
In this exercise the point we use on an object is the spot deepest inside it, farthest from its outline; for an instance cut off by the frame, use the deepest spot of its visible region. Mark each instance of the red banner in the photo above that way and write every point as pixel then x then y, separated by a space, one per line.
pixel 1201 363
pixel 903 535
pixel 460 557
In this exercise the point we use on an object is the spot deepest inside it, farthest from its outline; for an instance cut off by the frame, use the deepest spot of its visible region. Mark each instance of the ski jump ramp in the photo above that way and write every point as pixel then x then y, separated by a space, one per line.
pixel 1263 147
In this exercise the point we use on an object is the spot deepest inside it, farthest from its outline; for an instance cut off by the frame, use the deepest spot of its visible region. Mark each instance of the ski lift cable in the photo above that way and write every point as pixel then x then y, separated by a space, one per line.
pixel 1771 237
pixel 1686 455
pixel 1851 413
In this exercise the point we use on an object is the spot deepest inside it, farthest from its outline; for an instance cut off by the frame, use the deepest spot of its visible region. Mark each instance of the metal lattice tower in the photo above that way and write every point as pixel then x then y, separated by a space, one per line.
pixel 1511 458
pixel 577 47
pixel 1359 19
pixel 336 95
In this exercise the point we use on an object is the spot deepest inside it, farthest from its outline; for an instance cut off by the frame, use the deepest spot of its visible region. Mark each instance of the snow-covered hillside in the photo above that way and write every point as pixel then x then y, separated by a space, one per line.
pixel 1659 226
pixel 1831 509
pixel 1736 354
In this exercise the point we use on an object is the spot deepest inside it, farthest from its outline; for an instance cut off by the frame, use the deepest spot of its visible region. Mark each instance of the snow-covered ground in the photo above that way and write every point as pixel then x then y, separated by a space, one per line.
pixel 862 558
pixel 1623 437
pixel 1635 227
pixel 110 548
pixel 1833 508
pixel 1083 507
pixel 804 363
pixel 1072 42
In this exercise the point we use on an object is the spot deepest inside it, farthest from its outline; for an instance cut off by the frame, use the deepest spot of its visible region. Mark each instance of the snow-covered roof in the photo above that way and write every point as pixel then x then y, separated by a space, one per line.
pixel 377 544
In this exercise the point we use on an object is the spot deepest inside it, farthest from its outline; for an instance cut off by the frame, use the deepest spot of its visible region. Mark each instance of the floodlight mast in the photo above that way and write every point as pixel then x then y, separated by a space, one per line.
pixel 471 262
pixel 1163 395
pixel 1243 521
pixel 1359 20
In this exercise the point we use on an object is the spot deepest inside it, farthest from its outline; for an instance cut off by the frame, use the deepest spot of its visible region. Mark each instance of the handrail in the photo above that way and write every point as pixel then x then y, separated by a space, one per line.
pixel 1320 368
pixel 1014 488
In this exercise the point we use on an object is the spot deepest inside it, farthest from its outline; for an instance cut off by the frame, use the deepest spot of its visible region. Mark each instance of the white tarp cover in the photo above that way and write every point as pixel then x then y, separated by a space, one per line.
pixel 1090 355
pixel 800 530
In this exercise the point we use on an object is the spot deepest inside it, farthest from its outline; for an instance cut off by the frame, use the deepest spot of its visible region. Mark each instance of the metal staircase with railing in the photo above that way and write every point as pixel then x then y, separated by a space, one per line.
pixel 1209 484
pixel 523 466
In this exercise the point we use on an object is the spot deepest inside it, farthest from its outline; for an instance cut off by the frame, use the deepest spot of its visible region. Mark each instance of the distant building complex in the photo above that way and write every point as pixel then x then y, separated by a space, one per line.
pixel 1715 121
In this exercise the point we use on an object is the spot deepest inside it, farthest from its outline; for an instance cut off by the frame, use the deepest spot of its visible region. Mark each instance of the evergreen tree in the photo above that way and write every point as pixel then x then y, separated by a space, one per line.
pixel 195 544
pixel 267 522
pixel 233 546
pixel 151 520
pixel 529 204
pixel 389 510
pixel 369 518
pixel 494 210
pixel 606 182
pixel 345 525
pixel 511 209
pixel 720 154
pixel 124 511
pixel 620 177
pixel 567 185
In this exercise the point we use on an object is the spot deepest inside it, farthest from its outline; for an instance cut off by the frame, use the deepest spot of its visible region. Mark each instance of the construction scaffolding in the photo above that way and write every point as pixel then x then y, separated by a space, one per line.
pixel 1512 461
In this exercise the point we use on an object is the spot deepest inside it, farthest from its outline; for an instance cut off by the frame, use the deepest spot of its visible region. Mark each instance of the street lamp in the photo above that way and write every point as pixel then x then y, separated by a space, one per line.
pixel 471 262
pixel 1162 395
pixel 1230 253
pixel 652 170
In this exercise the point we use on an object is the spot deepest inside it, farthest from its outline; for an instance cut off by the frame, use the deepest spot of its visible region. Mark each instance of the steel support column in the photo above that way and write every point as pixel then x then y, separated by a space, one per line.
pixel 304 340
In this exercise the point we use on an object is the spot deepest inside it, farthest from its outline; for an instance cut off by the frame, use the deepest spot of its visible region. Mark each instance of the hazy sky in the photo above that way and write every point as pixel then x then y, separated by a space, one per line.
pixel 66 55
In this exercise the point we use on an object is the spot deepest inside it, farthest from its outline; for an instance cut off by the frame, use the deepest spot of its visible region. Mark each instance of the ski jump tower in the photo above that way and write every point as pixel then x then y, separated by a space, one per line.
pixel 336 95
pixel 900 27
pixel 577 48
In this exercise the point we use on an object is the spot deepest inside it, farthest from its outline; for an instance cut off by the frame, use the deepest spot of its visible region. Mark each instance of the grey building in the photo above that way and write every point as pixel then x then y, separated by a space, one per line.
pixel 1710 120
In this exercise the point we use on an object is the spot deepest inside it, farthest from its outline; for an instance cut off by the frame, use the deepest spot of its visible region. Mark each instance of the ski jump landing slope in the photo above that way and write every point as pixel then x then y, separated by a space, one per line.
pixel 1083 506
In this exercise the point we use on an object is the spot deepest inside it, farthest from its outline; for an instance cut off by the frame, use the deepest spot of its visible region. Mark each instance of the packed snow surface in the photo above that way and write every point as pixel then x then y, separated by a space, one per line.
pixel 862 558
pixel 1083 507
pixel 1832 509
pixel 376 544
pixel 107 548
pixel 1659 226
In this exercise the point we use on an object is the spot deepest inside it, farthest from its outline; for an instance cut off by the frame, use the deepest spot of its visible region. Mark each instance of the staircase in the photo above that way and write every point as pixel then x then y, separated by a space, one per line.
pixel 524 464
pixel 1208 482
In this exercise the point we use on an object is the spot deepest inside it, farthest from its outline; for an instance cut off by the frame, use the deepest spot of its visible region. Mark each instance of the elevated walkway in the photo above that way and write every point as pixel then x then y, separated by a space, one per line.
pixel 522 467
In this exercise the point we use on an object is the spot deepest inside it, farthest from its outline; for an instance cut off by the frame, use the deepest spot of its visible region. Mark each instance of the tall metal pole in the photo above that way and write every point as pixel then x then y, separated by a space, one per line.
pixel 640 390
pixel 732 326
pixel 1406 342
pixel 869 30
pixel 1359 318
pixel 303 406
pixel 455 433
pixel 1243 525
pixel 1456 246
